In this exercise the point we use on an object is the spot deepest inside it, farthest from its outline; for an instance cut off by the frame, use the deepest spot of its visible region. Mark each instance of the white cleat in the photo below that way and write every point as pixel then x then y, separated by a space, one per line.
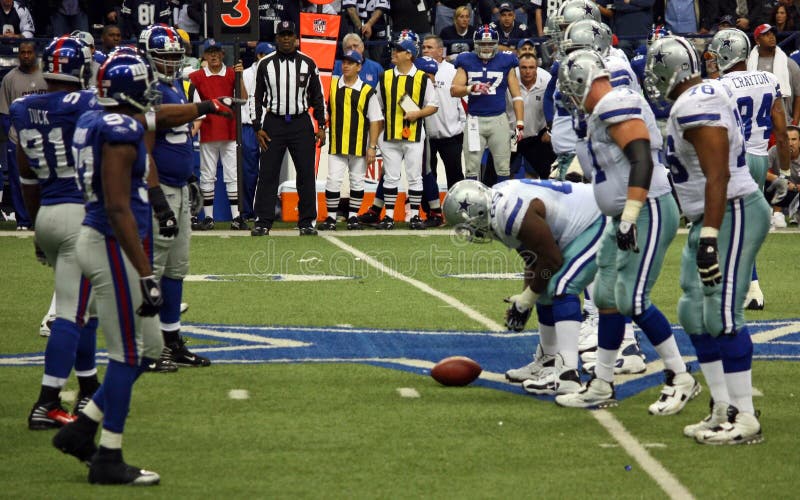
pixel 531 370
pixel 184 307
pixel 778 220
pixel 47 322
pixel 739 428
pixel 718 416
pixel 678 390
pixel 595 395
pixel 587 341
pixel 630 359
pixel 554 380
pixel 754 300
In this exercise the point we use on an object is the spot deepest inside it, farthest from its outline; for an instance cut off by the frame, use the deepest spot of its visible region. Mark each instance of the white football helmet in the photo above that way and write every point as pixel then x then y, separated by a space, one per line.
pixel 586 34
pixel 467 207
pixel 576 74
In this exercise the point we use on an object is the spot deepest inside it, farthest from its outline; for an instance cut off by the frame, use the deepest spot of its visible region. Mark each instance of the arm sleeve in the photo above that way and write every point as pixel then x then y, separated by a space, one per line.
pixel 26 27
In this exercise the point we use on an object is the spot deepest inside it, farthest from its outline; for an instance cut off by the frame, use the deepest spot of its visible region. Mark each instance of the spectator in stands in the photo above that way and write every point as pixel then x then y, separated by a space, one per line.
pixel 411 14
pixel 526 46
pixel 369 20
pixel 632 21
pixel 110 12
pixel 535 145
pixel 725 22
pixel 712 13
pixel 784 25
pixel 680 16
pixel 69 16
pixel 458 36
pixel 217 135
pixel 758 13
pixel 508 28
pixel 370 72
pixel 487 10
pixel 136 15
pixel 110 38
pixel 767 56
pixel 445 128
pixel 791 177
pixel 15 20
pixel 446 13
pixel 539 10
pixel 25 79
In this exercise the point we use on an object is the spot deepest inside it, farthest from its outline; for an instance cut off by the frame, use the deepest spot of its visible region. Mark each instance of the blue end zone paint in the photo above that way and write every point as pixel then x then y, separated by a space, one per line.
pixel 242 344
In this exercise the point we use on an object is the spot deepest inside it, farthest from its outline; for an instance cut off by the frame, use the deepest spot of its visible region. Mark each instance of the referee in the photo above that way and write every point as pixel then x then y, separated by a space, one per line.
pixel 287 84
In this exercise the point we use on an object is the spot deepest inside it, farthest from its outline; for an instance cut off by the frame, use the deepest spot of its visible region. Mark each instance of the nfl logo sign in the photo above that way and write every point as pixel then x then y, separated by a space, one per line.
pixel 319 25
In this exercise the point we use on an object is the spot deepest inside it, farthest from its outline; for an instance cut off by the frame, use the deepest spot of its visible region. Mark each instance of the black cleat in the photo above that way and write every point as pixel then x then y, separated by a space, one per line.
pixel 354 224
pixel 108 468
pixel 434 220
pixel 307 231
pixel 259 230
pixel 370 218
pixel 239 224
pixel 73 440
pixel 181 356
pixel 387 223
pixel 164 364
pixel 416 223
pixel 206 224
pixel 48 416
pixel 328 225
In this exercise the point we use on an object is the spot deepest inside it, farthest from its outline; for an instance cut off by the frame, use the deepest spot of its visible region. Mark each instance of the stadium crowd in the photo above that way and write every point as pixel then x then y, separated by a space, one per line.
pixel 587 94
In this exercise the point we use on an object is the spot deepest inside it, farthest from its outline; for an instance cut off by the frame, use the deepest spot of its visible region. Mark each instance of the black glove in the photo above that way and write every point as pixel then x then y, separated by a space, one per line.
pixel 515 317
pixel 195 196
pixel 151 297
pixel 40 256
pixel 167 223
pixel 708 262
pixel 626 237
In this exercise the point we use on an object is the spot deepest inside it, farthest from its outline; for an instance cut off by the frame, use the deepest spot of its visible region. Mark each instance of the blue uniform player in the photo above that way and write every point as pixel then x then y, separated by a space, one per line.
pixel 45 124
pixel 485 75
pixel 164 49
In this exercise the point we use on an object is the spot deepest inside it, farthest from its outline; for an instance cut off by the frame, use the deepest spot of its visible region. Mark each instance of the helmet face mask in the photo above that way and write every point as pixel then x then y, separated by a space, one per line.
pixel 486 41
pixel 126 79
pixel 671 60
pixel 164 49
pixel 729 47
pixel 576 75
pixel 67 59
pixel 467 207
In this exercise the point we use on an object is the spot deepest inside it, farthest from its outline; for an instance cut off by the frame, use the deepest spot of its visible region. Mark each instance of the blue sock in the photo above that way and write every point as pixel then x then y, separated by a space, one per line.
pixel 755 273
pixel 171 291
pixel 117 389
pixel 610 331
pixel 430 188
pixel 706 348
pixel 654 325
pixel 737 351
pixel 545 314
pixel 59 355
pixel 567 308
pixel 379 190
pixel 87 347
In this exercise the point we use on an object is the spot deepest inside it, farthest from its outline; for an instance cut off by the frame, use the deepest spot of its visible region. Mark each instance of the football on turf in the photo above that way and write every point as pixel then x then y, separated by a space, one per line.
pixel 456 371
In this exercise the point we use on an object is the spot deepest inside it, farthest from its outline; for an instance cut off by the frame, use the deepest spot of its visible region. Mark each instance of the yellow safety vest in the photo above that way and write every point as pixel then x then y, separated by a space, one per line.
pixel 347 109
pixel 392 89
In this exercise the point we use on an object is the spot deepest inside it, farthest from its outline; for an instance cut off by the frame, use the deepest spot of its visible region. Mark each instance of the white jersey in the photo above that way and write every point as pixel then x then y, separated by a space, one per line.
pixel 622 74
pixel 707 104
pixel 754 92
pixel 569 209
pixel 562 135
pixel 611 167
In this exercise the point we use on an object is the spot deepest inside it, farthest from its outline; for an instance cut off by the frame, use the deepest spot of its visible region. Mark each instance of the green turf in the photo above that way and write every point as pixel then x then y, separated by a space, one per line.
pixel 341 430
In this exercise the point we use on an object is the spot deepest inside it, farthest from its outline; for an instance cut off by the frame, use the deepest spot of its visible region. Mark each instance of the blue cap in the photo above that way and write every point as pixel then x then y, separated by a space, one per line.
pixel 524 41
pixel 353 55
pixel 407 45
pixel 505 7
pixel 211 44
pixel 426 64
pixel 265 48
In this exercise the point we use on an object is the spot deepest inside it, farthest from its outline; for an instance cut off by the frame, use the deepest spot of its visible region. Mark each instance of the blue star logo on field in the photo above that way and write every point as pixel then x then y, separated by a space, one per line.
pixel 416 351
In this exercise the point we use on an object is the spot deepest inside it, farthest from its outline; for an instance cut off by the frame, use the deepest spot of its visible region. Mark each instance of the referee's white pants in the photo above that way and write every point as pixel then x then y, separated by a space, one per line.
pixel 494 132
pixel 210 153
pixel 338 165
pixel 394 154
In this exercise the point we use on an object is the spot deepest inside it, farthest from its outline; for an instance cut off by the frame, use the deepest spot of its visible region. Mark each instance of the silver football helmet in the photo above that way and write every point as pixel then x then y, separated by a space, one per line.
pixel 670 60
pixel 575 10
pixel 729 47
pixel 586 34
pixel 576 74
pixel 553 36
pixel 467 207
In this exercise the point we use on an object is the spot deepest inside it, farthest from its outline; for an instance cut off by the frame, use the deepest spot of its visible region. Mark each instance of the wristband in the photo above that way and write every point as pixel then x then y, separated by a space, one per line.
pixel 527 298
pixel 28 182
pixel 157 199
pixel 520 124
pixel 374 148
pixel 709 232
pixel 631 211
pixel 150 120
pixel 518 98
pixel 204 108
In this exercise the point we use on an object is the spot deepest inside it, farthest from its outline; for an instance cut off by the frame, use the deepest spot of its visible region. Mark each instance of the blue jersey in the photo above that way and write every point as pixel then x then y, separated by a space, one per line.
pixel 94 129
pixel 45 124
pixel 492 72
pixel 173 147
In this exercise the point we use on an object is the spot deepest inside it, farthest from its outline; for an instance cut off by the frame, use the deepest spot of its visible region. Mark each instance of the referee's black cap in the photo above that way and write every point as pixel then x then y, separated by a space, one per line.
pixel 285 27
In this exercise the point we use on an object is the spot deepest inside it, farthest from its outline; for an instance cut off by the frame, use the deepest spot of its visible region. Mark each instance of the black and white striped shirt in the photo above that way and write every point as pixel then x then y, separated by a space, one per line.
pixel 287 85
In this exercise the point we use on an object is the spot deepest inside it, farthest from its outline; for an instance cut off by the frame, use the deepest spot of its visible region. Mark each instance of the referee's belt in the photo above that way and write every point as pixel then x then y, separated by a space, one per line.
pixel 287 118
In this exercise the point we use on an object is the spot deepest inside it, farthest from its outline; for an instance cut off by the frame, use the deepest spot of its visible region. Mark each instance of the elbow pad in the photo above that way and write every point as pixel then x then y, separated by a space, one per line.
pixel 638 154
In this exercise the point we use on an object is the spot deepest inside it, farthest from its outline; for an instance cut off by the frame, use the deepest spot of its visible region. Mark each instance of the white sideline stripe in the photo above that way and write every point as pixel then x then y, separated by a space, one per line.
pixel 671 486
pixel 669 483
pixel 470 312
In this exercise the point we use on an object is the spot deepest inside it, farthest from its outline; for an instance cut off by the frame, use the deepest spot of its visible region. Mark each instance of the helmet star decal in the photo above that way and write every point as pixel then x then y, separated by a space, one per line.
pixel 463 206
pixel 588 9
pixel 596 31
pixel 727 43
pixel 659 56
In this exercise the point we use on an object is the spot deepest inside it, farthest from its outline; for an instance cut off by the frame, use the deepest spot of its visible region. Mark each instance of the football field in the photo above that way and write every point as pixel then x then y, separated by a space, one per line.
pixel 320 388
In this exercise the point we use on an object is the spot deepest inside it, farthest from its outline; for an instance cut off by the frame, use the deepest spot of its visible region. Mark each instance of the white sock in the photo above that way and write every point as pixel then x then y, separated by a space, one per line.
pixel 715 378
pixel 548 339
pixel 670 355
pixel 567 333
pixel 92 411
pixel 740 388
pixel 629 335
pixel 606 359
pixel 110 440
pixel 52 311
pixel 234 209
pixel 588 300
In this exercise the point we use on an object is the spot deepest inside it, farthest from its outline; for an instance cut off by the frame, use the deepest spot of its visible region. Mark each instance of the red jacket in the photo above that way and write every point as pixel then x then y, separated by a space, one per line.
pixel 210 86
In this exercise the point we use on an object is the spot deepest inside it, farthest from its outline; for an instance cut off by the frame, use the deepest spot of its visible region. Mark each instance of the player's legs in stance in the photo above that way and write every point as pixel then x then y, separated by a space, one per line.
pixel 758 166
pixel 131 344
pixel 71 342
pixel 714 317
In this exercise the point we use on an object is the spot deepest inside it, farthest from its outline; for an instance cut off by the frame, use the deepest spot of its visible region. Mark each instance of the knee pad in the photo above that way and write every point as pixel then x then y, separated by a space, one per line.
pixel 706 348
pixel 567 308
pixel 545 314
pixel 737 351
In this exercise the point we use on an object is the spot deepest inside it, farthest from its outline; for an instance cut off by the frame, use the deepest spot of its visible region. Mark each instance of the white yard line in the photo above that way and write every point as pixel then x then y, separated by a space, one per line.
pixel 669 483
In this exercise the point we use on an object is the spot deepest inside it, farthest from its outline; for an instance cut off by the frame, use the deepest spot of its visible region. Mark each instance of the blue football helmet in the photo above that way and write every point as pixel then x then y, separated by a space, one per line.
pixel 126 49
pixel 486 41
pixel 67 59
pixel 127 79
pixel 164 50
pixel 427 65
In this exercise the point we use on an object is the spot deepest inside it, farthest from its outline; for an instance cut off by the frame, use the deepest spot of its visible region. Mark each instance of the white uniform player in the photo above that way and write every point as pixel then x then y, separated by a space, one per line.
pixel 754 93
